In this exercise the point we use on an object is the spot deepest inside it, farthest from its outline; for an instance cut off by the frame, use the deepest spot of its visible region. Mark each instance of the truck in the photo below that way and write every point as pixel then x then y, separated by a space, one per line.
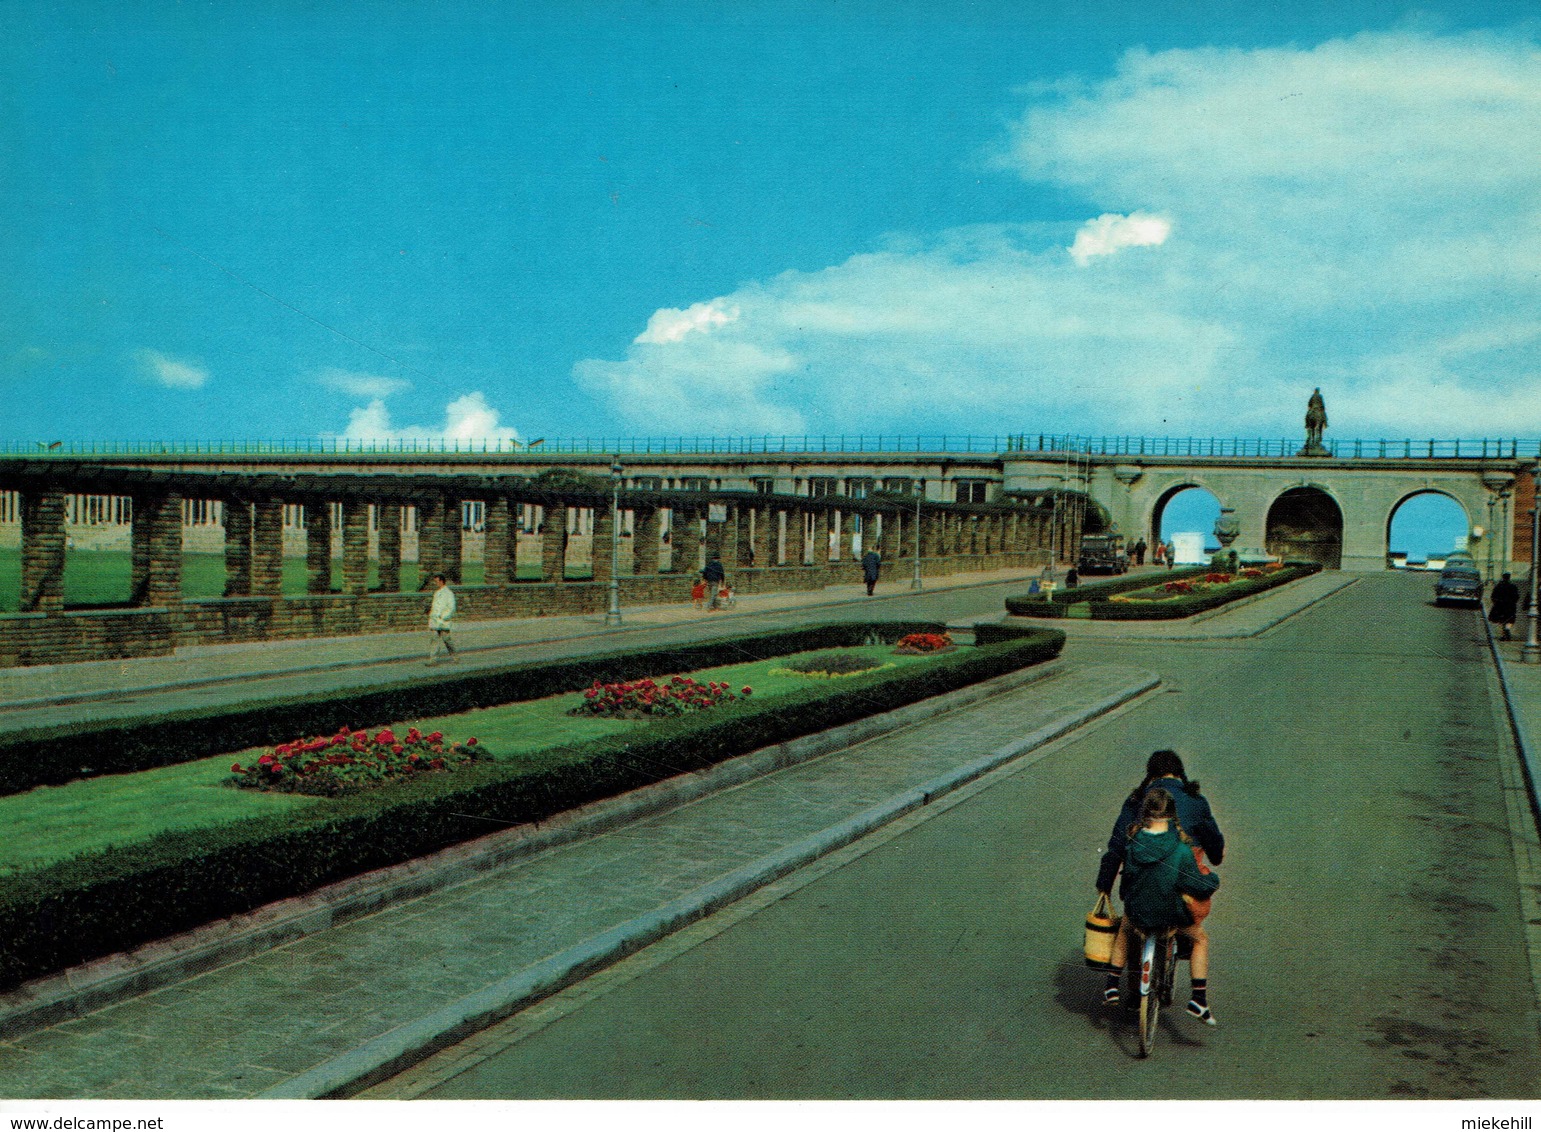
pixel 1102 554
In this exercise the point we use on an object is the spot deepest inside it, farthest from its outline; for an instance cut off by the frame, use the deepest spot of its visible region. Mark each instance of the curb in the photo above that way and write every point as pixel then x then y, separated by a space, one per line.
pixel 67 698
pixel 1516 727
pixel 392 1052
pixel 102 982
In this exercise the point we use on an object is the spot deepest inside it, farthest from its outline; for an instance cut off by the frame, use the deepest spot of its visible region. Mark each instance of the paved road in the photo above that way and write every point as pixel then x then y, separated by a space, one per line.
pixel 1370 941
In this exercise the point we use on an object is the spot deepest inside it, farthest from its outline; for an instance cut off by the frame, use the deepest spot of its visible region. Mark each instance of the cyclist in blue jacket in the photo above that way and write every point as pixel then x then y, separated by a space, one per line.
pixel 1164 771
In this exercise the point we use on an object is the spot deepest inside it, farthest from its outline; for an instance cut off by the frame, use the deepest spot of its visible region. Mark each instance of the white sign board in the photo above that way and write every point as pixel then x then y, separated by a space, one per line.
pixel 1188 549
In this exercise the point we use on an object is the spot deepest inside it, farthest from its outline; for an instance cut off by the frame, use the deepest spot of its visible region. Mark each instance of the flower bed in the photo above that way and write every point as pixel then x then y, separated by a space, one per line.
pixel 329 766
pixel 1185 597
pixel 117 897
pixel 921 644
pixel 1059 602
pixel 831 667
pixel 644 699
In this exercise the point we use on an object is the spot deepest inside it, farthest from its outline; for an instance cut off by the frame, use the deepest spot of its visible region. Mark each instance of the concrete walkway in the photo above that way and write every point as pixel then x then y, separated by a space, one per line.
pixel 339 1007
pixel 26 694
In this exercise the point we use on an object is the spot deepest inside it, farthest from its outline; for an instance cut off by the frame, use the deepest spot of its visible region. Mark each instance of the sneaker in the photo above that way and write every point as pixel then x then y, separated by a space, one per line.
pixel 1110 996
pixel 1202 1013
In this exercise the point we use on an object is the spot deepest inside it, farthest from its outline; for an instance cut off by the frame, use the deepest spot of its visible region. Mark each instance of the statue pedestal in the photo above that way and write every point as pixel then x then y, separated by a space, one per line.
pixel 1314 448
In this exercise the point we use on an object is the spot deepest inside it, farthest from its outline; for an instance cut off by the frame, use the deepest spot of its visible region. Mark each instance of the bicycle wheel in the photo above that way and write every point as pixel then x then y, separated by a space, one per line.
pixel 1150 995
pixel 1169 969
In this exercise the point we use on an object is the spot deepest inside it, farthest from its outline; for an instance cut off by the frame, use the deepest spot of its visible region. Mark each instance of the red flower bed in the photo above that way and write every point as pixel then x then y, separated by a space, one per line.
pixel 353 760
pixel 640 699
pixel 1216 579
pixel 924 643
pixel 1179 587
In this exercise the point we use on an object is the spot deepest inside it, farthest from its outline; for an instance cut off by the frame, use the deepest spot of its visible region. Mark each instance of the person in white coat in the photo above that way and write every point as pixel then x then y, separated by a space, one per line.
pixel 441 616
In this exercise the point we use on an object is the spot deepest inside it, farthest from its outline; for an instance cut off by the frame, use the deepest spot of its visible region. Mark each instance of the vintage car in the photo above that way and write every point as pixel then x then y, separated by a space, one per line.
pixel 1458 582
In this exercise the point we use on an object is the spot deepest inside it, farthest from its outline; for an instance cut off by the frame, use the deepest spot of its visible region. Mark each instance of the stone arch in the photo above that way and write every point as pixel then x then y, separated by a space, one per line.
pixel 1305 524
pixel 1417 493
pixel 1152 529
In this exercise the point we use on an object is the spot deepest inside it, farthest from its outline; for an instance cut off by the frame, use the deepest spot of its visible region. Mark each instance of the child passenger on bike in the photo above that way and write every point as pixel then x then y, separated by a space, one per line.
pixel 1159 872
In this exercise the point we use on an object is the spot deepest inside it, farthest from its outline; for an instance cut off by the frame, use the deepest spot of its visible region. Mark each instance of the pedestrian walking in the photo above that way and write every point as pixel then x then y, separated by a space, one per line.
pixel 441 617
pixel 1139 553
pixel 714 576
pixel 1504 606
pixel 870 564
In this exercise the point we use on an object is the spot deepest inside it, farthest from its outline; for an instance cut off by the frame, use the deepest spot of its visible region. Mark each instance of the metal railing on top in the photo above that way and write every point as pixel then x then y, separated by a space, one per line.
pixel 1405 449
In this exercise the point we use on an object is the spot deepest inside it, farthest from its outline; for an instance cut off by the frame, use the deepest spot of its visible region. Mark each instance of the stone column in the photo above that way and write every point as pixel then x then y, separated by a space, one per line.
pixel 450 539
pixel 936 535
pixel 798 537
pixel 430 540
pixel 388 518
pixel 42 550
pixel 318 547
pixel 553 543
pixel 888 546
pixel 498 543
pixel 355 548
pixel 156 550
pixel 687 541
pixel 599 545
pixel 645 527
pixel 267 549
pixel 237 548
pixel 727 540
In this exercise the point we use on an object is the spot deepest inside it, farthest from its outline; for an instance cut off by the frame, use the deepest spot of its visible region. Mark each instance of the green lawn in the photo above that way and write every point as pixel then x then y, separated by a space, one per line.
pixel 52 823
pixel 101 577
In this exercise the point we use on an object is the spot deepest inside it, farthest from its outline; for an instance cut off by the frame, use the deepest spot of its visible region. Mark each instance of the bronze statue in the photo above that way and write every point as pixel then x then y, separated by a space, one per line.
pixel 1316 421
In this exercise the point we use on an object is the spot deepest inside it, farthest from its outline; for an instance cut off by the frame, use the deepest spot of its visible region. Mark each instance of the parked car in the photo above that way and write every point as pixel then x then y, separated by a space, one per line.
pixel 1102 554
pixel 1459 582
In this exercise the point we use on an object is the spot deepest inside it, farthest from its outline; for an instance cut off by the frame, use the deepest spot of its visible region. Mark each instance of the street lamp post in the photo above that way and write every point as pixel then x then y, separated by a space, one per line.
pixel 1488 534
pixel 613 613
pixel 920 489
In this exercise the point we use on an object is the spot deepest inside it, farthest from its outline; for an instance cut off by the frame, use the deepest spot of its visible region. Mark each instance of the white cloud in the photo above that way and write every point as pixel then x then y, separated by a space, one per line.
pixel 1359 215
pixel 171 372
pixel 467 418
pixel 362 384
pixel 1111 232
pixel 671 325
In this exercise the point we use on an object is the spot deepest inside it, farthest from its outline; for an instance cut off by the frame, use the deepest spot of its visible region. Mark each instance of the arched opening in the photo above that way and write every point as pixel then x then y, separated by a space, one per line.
pixel 1424 528
pixel 1305 524
pixel 1189 511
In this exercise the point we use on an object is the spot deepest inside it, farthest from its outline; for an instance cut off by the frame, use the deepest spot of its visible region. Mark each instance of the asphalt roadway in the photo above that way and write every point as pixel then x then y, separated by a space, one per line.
pixel 1369 937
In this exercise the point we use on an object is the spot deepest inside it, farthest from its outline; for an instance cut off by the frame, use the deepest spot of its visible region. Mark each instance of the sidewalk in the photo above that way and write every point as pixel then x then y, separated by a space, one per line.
pixel 208 666
pixel 340 1007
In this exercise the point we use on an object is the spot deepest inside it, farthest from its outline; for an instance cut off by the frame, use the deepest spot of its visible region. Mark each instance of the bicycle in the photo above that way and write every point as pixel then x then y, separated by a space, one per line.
pixel 1154 979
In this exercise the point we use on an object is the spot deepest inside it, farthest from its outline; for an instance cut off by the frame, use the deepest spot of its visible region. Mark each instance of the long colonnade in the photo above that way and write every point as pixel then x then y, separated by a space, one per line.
pixel 767 542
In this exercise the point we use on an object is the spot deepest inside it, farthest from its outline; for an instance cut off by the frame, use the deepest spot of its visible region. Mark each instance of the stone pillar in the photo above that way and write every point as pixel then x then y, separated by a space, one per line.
pixel 450 539
pixel 936 535
pixel 498 543
pixel 318 547
pixel 267 549
pixel 645 527
pixel 388 519
pixel 355 548
pixel 727 540
pixel 553 544
pixel 599 545
pixel 821 547
pixel 42 550
pixel 156 550
pixel 687 541
pixel 430 540
pixel 888 546
pixel 237 548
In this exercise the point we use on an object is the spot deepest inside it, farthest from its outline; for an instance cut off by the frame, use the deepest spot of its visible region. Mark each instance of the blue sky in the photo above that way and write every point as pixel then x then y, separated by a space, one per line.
pixel 563 219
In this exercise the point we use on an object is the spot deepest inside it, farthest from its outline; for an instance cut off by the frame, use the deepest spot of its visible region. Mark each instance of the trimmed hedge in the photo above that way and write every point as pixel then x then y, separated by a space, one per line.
pixel 1186 605
pixel 108 901
pixel 1055 605
pixel 49 756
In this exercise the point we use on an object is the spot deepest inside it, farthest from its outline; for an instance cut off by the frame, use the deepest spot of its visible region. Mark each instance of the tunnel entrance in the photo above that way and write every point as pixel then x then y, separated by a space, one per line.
pixel 1305 524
